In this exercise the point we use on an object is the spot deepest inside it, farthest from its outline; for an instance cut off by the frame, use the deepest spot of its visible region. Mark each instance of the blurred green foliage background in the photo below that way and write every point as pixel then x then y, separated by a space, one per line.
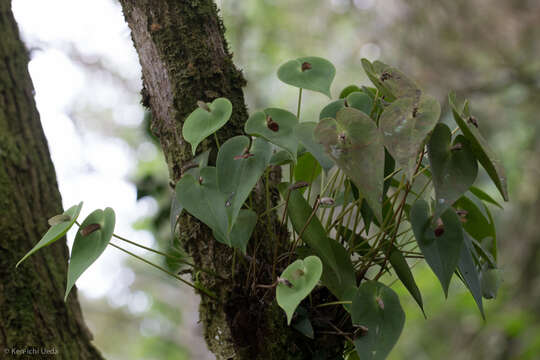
pixel 486 50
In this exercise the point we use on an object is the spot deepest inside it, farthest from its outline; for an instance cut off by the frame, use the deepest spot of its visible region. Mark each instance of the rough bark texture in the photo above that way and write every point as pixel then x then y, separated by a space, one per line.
pixel 32 311
pixel 185 58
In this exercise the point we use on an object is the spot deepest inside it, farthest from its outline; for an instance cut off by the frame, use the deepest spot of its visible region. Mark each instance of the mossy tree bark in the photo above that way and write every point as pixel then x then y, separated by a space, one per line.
pixel 185 58
pixel 32 310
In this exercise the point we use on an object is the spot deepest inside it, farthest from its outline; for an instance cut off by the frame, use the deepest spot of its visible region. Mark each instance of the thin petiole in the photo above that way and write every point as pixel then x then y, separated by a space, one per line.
pixel 206 292
pixel 168 256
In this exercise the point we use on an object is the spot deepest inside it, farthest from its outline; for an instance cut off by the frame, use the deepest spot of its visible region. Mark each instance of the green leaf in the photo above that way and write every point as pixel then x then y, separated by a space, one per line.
pixel 391 82
pixel 367 215
pixel 314 235
pixel 441 252
pixel 377 310
pixel 176 207
pixel 307 169
pixel 202 199
pixel 401 267
pixel 239 171
pixel 490 280
pixel 241 231
pixel 311 73
pixel 340 281
pixel 281 157
pixel 201 123
pixel 406 124
pixel 303 275
pixel 469 273
pixel 475 223
pixel 304 133
pixel 492 246
pixel 482 195
pixel 358 100
pixel 453 167
pixel 56 231
pixel 330 110
pixel 354 143
pixel 374 76
pixel 302 323
pixel 389 167
pixel 397 83
pixel 276 126
pixel 481 149
pixel 88 247
pixel 483 253
pixel 349 89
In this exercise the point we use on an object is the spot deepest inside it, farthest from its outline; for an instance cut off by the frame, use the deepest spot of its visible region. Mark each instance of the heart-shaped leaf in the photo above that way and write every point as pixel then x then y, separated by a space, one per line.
pixel 374 76
pixel 481 149
pixel 58 229
pixel 377 313
pixel 469 273
pixel 201 198
pixel 311 73
pixel 90 242
pixel 241 231
pixel 349 90
pixel 406 124
pixel 357 100
pixel 391 82
pixel 304 133
pixel 302 277
pixel 441 246
pixel 355 144
pixel 205 121
pixel 276 126
pixel 453 167
pixel 403 271
pixel 239 170
pixel 340 281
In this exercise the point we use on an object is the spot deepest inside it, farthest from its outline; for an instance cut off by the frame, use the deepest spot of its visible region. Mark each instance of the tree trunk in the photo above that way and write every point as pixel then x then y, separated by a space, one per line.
pixel 185 58
pixel 32 310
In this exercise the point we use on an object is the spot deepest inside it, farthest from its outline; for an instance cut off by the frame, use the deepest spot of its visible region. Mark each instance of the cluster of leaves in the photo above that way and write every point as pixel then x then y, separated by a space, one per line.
pixel 367 164
pixel 357 196
pixel 91 239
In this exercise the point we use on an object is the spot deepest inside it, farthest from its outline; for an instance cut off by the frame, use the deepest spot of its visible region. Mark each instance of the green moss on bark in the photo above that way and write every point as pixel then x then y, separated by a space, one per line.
pixel 185 58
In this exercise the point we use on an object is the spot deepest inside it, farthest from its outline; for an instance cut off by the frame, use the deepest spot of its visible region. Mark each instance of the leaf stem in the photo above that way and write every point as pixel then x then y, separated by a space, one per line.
pixel 209 272
pixel 203 290
pixel 217 140
pixel 299 104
